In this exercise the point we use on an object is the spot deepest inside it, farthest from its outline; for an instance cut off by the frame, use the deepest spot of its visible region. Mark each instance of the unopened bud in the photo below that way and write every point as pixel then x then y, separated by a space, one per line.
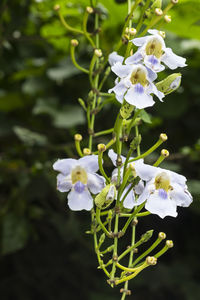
pixel 151 260
pixel 162 235
pixel 162 34
pixel 169 244
pixel 102 238
pixel 89 9
pixel 101 147
pixel 174 1
pixel 119 161
pixel 158 11
pixel 146 236
pixel 98 52
pixel 132 31
pixel 163 137
pixel 56 7
pixel 127 30
pixel 169 84
pixel 167 18
pixel 78 137
pixel 74 43
pixel 164 152
pixel 86 151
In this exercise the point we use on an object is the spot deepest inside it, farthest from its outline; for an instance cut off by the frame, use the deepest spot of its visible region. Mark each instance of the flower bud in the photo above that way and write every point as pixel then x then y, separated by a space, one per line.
pixel 101 147
pixel 89 9
pixel 169 84
pixel 151 260
pixel 164 152
pixel 174 1
pixel 78 137
pixel 74 43
pixel 163 137
pixel 146 236
pixel 106 196
pixel 162 235
pixel 56 7
pixel 86 151
pixel 135 142
pixel 98 52
pixel 169 244
pixel 132 31
pixel 167 18
pixel 157 4
pixel 162 34
pixel 158 11
pixel 102 238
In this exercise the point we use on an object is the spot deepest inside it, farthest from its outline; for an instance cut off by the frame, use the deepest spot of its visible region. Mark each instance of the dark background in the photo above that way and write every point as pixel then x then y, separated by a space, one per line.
pixel 45 253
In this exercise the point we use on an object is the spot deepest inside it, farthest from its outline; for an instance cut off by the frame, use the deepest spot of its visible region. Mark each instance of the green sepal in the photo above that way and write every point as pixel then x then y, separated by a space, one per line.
pixel 126 110
pixel 147 235
pixel 106 197
pixel 169 84
pixel 82 103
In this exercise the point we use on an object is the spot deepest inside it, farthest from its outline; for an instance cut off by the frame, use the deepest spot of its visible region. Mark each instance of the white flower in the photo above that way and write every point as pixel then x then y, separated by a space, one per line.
pixel 130 200
pixel 136 84
pixel 114 57
pixel 80 177
pixel 164 190
pixel 152 51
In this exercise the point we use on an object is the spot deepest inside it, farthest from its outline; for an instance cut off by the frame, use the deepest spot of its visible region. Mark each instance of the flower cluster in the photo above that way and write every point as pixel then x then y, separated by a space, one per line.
pixel 137 73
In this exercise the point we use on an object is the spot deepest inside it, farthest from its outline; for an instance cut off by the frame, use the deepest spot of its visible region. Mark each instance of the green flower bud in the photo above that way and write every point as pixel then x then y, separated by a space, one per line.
pixel 126 110
pixel 147 235
pixel 82 103
pixel 102 239
pixel 135 142
pixel 157 4
pixel 169 84
pixel 106 196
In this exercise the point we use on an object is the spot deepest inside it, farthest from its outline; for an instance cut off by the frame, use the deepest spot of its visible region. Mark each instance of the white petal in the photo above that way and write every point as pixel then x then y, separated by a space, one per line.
pixel 139 188
pixel 95 183
pixel 153 31
pixel 153 89
pixel 89 163
pixel 135 58
pixel 121 70
pixel 113 157
pixel 64 183
pixel 181 195
pixel 144 196
pixel 80 201
pixel 172 60
pixel 146 172
pixel 119 89
pixel 129 202
pixel 161 207
pixel 138 99
pixel 153 63
pixel 139 41
pixel 65 165
pixel 114 58
pixel 177 178
pixel 151 75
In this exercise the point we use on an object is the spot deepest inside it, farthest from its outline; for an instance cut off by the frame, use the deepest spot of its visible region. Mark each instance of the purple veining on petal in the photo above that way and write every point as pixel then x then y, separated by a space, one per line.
pixel 162 194
pixel 153 60
pixel 139 88
pixel 79 187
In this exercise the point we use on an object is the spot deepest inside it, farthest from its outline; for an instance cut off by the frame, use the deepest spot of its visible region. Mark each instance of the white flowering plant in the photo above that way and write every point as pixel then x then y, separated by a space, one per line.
pixel 134 189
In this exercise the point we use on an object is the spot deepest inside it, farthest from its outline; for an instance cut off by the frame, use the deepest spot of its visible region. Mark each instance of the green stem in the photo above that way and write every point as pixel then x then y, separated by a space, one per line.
pixel 100 261
pixel 136 210
pixel 153 148
pixel 101 169
pixel 72 52
pixel 112 274
pixel 143 214
pixel 141 20
pixel 153 246
pixel 137 134
pixel 106 74
pixel 87 35
pixel 104 132
pixel 159 160
pixel 98 217
pixel 78 148
pixel 67 26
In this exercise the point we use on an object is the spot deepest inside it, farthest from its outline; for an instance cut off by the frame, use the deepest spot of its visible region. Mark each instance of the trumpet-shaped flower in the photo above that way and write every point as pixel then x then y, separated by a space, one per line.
pixel 152 51
pixel 130 200
pixel 164 190
pixel 80 178
pixel 135 85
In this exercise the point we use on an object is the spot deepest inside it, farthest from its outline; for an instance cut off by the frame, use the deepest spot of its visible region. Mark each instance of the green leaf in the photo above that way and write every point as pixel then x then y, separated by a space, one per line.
pixel 15 232
pixel 29 137
pixel 145 116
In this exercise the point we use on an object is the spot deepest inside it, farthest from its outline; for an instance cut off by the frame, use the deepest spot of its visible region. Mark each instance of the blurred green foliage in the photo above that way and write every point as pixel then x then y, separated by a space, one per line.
pixel 44 250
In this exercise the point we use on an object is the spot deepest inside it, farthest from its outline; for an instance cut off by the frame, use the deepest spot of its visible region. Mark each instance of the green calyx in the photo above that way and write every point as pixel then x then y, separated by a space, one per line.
pixel 106 196
pixel 126 110
pixel 169 84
